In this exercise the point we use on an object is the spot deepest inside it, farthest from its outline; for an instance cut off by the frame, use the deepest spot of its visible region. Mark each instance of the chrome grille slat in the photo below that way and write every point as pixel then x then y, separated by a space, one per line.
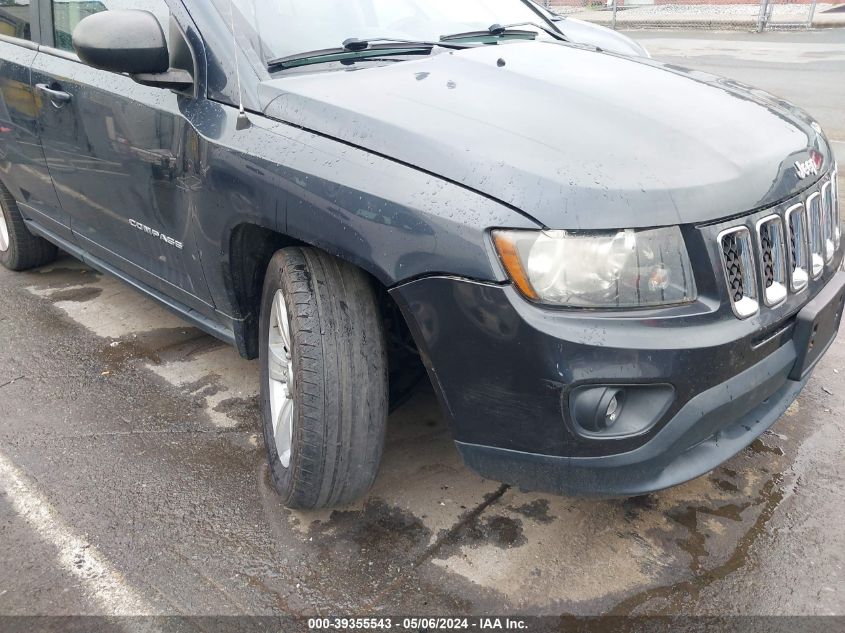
pixel 772 254
pixel 767 255
pixel 837 220
pixel 740 271
pixel 796 226
pixel 829 250
pixel 816 230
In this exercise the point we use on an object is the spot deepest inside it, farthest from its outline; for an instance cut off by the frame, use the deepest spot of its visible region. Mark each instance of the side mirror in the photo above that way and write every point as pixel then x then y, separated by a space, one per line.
pixel 129 41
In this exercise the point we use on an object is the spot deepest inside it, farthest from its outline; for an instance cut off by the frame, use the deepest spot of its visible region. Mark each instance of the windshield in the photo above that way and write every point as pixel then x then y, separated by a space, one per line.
pixel 284 28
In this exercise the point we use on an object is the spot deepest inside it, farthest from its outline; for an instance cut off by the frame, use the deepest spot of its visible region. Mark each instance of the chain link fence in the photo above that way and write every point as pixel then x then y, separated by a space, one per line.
pixel 705 14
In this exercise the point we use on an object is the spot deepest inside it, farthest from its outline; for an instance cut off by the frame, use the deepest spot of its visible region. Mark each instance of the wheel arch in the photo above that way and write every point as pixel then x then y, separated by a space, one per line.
pixel 252 246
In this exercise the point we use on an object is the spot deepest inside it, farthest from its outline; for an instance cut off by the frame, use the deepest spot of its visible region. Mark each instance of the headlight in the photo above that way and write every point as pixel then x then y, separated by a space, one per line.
pixel 622 269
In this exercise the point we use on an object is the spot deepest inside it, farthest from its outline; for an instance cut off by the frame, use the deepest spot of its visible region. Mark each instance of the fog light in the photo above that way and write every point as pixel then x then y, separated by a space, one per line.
pixel 608 411
pixel 599 408
pixel 612 411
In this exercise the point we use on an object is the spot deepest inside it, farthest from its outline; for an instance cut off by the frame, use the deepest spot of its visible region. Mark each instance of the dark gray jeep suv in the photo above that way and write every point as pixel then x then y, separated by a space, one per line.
pixel 616 273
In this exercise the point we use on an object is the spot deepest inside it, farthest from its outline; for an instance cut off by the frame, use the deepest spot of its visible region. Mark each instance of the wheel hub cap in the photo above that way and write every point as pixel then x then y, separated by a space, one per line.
pixel 4 233
pixel 281 378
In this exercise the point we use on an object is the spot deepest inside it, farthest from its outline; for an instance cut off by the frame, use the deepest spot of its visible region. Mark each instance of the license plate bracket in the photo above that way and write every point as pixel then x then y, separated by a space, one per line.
pixel 817 325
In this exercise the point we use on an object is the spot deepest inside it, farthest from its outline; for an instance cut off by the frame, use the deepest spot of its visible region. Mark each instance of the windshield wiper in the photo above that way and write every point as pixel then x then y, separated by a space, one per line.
pixel 353 49
pixel 499 31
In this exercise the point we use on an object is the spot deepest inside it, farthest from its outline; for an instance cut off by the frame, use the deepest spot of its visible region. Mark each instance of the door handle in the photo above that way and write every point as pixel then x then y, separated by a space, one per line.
pixel 56 96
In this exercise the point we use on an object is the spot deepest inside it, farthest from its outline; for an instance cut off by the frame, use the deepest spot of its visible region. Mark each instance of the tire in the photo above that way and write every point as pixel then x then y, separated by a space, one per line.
pixel 339 393
pixel 20 249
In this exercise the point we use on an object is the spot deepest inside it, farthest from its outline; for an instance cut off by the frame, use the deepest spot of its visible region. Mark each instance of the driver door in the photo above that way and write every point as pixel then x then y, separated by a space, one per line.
pixel 117 153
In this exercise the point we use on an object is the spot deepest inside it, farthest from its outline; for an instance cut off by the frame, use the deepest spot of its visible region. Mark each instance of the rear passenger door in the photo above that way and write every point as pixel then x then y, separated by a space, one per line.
pixel 23 168
pixel 118 153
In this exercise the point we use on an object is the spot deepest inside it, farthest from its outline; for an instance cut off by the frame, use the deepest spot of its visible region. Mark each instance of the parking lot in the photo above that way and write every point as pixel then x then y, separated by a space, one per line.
pixel 133 477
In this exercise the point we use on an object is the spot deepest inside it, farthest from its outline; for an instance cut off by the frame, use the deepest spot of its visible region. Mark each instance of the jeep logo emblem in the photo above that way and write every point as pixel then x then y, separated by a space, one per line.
pixel 806 168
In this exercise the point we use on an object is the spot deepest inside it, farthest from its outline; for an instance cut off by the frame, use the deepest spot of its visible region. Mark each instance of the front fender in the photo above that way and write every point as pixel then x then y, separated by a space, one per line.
pixel 392 220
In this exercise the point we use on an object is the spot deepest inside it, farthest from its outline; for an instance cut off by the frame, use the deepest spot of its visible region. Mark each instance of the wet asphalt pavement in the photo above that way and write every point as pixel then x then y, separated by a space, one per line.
pixel 132 473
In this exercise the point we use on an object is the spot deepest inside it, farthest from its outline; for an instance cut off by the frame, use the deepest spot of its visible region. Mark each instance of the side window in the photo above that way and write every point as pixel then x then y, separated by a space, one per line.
pixel 68 13
pixel 15 17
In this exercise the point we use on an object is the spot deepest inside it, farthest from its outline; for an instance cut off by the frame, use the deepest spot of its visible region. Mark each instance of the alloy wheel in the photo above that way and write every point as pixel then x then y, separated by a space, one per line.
pixel 4 233
pixel 280 363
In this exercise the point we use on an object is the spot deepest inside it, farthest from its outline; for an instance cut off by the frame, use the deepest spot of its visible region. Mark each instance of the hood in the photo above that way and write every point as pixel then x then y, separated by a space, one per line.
pixel 572 137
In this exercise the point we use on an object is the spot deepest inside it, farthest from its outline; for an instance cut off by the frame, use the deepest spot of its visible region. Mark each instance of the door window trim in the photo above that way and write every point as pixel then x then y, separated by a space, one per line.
pixel 45 31
pixel 19 42
pixel 48 36
pixel 34 29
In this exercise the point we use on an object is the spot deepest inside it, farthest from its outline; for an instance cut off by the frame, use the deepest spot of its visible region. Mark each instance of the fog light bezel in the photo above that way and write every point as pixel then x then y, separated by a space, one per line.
pixel 643 406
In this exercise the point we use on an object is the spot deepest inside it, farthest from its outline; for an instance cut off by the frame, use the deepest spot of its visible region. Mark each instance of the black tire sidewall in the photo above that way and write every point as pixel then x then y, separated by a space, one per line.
pixel 26 251
pixel 9 256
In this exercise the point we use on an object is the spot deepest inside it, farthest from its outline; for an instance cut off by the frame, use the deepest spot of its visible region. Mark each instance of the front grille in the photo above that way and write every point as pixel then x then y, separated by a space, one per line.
pixel 740 273
pixel 782 252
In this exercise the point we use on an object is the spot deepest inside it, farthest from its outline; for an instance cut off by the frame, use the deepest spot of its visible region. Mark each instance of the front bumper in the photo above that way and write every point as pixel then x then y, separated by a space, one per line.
pixel 711 428
pixel 503 370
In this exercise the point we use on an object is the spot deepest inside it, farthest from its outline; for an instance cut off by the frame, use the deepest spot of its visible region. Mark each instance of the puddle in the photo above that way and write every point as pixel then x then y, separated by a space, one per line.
pixel 117 311
pixel 695 534
pixel 78 293
pixel 377 541
pixel 157 347
pixel 137 331
pixel 759 446
pixel 703 523
pixel 673 599
pixel 379 527
pixel 497 531
pixel 537 510
pixel 246 411
pixel 725 485
pixel 217 376
pixel 64 273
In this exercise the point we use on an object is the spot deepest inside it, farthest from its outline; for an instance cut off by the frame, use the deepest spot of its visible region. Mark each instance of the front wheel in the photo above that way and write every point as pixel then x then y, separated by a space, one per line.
pixel 323 379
